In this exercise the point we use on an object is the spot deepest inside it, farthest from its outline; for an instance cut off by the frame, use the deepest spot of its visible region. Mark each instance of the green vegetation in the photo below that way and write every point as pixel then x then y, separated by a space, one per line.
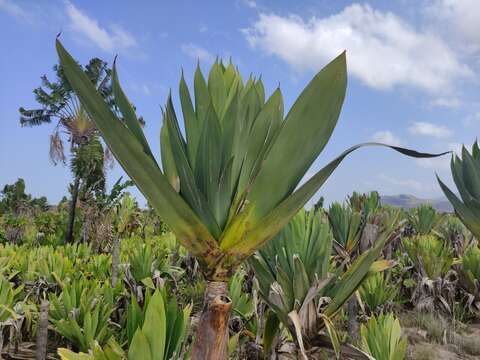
pixel 292 292
pixel 225 261
pixel 381 337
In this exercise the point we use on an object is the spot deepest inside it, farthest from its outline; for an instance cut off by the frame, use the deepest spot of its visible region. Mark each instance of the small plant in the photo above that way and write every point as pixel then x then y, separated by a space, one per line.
pixel 295 278
pixel 81 313
pixel 456 234
pixel 9 296
pixel 242 304
pixel 469 276
pixel 367 204
pixel 435 283
pixel 425 219
pixel 382 339
pixel 377 291
pixel 111 351
pixel 142 262
pixel 346 225
pixel 431 255
pixel 161 333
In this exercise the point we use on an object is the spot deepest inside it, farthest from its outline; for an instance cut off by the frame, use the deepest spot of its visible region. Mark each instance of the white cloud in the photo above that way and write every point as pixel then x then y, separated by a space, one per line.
pixel 197 52
pixel 437 164
pixel 441 163
pixel 447 102
pixel 382 49
pixel 458 20
pixel 116 39
pixel 250 3
pixel 408 183
pixel 385 136
pixel 429 129
pixel 472 119
pixel 146 89
pixel 14 9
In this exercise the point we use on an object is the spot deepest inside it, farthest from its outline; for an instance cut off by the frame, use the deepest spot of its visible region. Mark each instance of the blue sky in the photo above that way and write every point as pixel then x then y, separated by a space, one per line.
pixel 413 73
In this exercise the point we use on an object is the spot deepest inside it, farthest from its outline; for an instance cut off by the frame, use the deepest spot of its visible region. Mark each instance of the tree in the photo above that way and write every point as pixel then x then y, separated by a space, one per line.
pixel 233 183
pixel 13 199
pixel 59 103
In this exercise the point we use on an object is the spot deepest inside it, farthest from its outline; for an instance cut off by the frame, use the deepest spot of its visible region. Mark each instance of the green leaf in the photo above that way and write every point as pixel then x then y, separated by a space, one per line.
pixel 202 98
pixel 301 282
pixel 139 166
pixel 266 227
pixel 128 112
pixel 305 132
pixel 272 326
pixel 463 212
pixel 297 326
pixel 139 348
pixel 217 88
pixel 188 186
pixel 192 125
pixel 332 333
pixel 155 326
pixel 168 162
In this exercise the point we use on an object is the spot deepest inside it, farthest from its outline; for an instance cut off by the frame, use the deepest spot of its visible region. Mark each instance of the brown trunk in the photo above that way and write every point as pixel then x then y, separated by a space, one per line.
pixel 369 236
pixel 388 252
pixel 353 327
pixel 42 331
pixel 71 210
pixel 212 331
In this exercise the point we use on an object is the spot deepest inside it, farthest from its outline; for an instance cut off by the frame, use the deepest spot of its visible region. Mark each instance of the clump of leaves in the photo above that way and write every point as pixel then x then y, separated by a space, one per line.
pixel 81 313
pixel 297 283
pixel 161 328
pixel 431 256
pixel 469 276
pixel 377 291
pixel 424 219
pixel 381 338
pixel 346 225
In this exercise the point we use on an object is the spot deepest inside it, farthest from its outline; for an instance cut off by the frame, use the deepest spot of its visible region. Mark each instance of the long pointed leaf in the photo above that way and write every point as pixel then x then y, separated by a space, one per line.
pixel 139 166
pixel 264 229
pixel 128 112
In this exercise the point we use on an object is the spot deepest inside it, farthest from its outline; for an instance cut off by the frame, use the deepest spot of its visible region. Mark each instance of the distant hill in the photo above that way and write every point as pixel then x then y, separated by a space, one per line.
pixel 410 201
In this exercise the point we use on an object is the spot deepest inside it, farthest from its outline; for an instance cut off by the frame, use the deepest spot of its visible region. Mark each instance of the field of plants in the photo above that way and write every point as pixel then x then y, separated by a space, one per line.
pixel 225 261
pixel 134 289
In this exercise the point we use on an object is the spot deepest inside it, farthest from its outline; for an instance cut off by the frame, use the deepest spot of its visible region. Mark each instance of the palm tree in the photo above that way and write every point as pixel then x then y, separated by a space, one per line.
pixel 233 183
pixel 59 103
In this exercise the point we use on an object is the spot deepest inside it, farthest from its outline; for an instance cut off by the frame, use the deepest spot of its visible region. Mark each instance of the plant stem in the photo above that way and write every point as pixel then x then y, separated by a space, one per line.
pixel 212 332
pixel 42 331
pixel 71 210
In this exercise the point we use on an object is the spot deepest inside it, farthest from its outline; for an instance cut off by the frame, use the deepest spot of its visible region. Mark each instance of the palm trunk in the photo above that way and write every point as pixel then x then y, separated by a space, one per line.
pixel 42 331
pixel 212 332
pixel 71 210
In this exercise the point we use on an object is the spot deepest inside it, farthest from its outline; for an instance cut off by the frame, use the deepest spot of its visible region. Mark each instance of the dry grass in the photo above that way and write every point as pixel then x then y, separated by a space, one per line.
pixel 423 351
pixel 449 340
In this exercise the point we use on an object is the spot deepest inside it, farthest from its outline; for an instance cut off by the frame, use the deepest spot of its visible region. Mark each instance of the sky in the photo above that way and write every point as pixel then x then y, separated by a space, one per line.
pixel 413 74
